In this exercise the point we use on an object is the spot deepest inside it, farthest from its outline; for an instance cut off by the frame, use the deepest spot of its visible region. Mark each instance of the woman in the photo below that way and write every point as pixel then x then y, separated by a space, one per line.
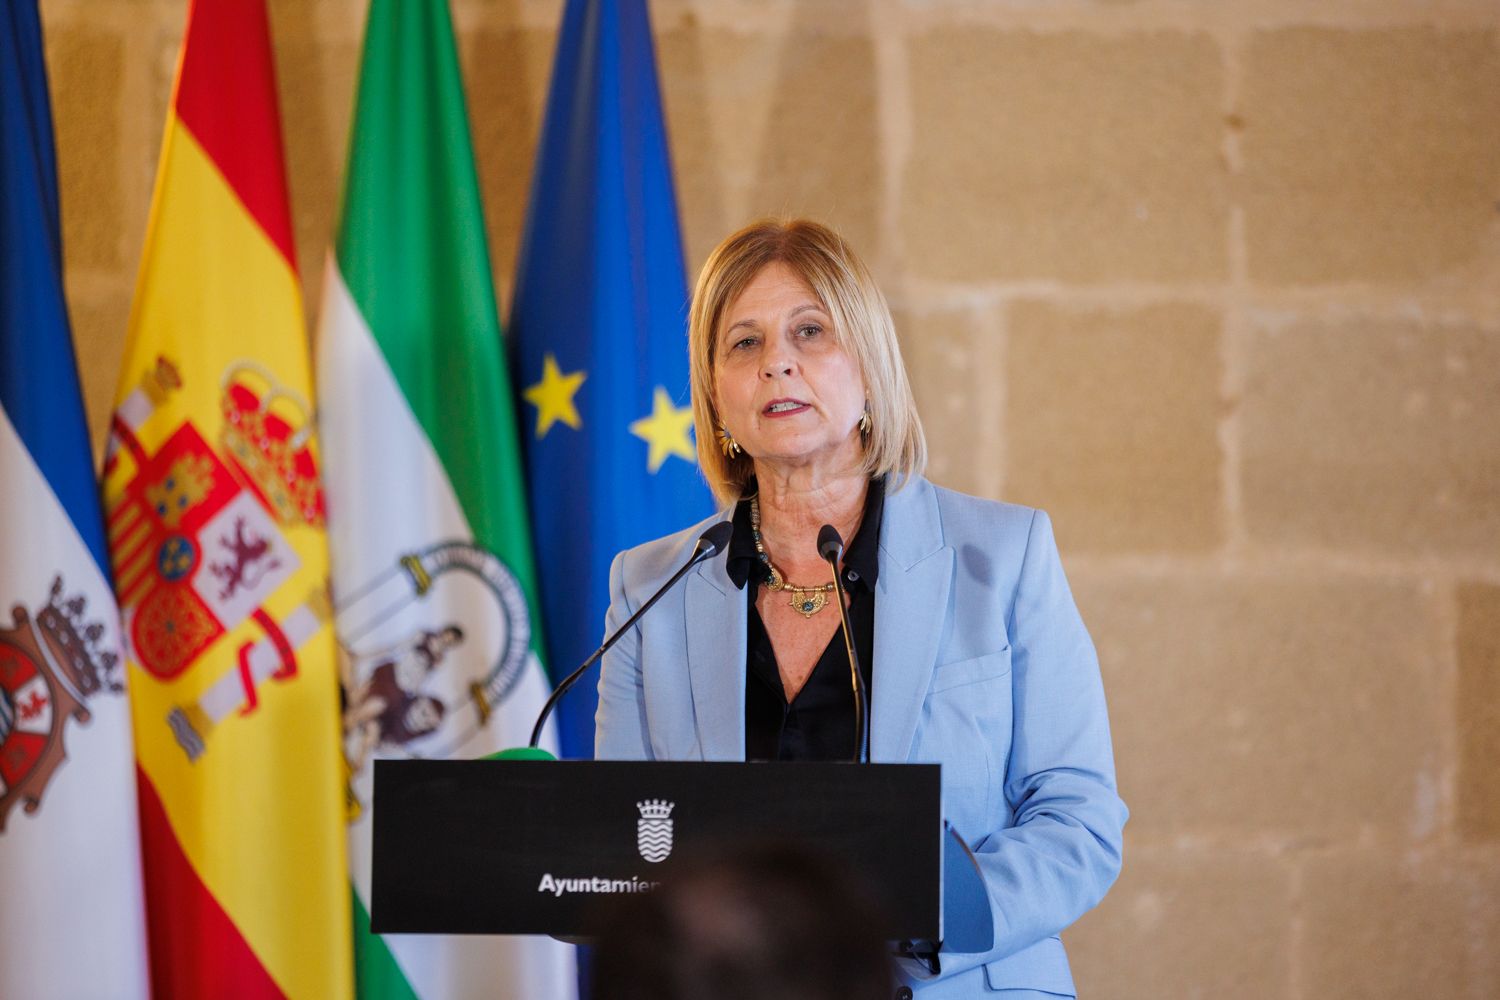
pixel 973 651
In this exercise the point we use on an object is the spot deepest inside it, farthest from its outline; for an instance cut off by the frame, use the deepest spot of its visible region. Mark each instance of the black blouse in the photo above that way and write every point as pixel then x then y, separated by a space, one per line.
pixel 819 723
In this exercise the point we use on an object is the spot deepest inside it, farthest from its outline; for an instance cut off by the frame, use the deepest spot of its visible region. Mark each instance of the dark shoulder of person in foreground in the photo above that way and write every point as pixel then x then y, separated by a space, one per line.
pixel 761 923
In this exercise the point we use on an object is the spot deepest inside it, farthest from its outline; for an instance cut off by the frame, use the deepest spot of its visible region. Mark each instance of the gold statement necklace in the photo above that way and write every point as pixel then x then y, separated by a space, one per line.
pixel 806 601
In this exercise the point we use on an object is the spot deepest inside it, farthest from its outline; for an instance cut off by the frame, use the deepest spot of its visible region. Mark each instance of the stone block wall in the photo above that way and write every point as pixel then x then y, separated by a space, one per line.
pixel 1217 284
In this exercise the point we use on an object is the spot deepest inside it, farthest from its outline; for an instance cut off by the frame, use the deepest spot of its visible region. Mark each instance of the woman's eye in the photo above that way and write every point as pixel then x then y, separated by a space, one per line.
pixel 809 330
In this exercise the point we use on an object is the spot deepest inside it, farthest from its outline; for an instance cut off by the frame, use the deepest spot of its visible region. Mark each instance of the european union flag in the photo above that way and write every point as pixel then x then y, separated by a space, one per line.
pixel 600 324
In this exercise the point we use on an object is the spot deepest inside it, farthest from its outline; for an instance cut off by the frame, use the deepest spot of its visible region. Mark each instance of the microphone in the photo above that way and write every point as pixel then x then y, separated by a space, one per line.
pixel 710 544
pixel 830 545
pixel 831 549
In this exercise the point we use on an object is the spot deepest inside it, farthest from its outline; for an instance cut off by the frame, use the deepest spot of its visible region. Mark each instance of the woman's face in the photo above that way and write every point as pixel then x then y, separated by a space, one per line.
pixel 783 385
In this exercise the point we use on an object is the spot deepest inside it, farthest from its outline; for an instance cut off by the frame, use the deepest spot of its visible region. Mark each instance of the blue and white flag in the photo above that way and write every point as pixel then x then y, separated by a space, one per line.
pixel 600 327
pixel 71 917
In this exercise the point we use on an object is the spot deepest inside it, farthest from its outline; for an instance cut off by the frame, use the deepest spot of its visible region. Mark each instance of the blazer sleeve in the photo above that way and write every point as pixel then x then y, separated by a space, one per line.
pixel 620 722
pixel 1063 849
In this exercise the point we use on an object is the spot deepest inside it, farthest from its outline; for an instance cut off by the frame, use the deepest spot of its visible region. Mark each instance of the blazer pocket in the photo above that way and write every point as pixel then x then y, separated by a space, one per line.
pixel 1043 966
pixel 971 671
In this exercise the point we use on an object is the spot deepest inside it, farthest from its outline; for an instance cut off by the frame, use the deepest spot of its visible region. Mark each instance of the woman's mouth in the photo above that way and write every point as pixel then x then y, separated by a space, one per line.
pixel 784 407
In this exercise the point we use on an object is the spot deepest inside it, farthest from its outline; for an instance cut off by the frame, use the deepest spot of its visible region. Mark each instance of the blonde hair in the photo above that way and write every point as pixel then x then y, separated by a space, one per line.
pixel 862 324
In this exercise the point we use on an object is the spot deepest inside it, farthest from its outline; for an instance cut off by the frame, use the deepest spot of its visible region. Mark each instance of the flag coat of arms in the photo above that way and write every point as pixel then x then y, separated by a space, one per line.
pixel 432 565
pixel 600 327
pixel 70 882
pixel 215 521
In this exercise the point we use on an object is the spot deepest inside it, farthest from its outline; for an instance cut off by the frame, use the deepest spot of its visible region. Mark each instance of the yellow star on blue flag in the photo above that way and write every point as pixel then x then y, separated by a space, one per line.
pixel 665 430
pixel 553 396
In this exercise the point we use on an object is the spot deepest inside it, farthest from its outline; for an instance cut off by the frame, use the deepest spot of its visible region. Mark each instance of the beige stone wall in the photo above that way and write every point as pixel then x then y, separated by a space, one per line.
pixel 1217 283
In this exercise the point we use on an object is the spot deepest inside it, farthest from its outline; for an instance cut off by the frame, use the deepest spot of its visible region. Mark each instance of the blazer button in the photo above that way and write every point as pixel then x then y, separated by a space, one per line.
pixel 904 993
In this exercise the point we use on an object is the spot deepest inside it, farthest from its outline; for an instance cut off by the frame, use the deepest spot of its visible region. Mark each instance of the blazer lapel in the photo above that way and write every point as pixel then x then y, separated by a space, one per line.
pixel 911 609
pixel 716 623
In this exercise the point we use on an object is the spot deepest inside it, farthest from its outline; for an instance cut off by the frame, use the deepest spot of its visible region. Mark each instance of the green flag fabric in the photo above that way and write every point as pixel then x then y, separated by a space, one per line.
pixel 433 577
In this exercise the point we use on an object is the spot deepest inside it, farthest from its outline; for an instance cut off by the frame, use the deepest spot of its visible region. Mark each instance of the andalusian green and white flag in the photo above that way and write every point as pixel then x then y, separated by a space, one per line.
pixel 432 570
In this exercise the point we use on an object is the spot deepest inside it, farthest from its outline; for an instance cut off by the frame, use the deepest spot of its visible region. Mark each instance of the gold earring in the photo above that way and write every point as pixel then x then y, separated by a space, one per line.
pixel 727 444
pixel 864 420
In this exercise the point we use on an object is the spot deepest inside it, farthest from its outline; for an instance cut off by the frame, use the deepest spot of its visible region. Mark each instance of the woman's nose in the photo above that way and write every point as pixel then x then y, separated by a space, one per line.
pixel 776 363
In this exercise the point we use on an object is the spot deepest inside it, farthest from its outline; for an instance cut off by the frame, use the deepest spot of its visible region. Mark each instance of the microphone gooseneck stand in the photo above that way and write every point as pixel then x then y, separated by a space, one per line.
pixel 710 543
pixel 831 548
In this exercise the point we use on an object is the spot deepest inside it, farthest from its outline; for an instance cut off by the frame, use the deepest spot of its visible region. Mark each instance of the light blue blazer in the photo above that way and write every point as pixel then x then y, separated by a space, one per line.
pixel 981 664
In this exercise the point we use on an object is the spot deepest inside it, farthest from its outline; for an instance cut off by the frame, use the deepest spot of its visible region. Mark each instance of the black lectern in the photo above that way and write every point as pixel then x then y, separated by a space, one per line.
pixel 530 847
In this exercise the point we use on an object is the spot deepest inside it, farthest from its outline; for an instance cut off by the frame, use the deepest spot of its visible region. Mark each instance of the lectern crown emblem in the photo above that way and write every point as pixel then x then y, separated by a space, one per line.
pixel 653 831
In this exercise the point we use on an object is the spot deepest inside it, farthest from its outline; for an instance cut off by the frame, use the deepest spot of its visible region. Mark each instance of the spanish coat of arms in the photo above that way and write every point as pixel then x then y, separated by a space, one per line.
pixel 199 539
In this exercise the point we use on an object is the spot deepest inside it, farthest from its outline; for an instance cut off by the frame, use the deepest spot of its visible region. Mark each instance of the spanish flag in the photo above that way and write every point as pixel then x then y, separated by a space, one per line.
pixel 215 519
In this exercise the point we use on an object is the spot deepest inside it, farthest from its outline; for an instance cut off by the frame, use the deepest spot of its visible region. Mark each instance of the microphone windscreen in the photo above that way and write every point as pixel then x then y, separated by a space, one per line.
pixel 712 541
pixel 830 545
